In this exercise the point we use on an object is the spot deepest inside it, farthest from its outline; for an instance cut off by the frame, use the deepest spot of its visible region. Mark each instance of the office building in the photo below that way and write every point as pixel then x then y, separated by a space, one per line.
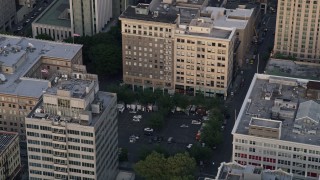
pixel 236 171
pixel 55 21
pixel 7 14
pixel 297 30
pixel 72 132
pixel 62 19
pixel 183 46
pixel 27 3
pixel 9 155
pixel 203 58
pixel 89 17
pixel 27 66
pixel 278 126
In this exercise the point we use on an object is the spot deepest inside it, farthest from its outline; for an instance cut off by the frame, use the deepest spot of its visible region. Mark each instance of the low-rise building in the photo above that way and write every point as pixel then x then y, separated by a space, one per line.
pixel 54 21
pixel 27 68
pixel 235 171
pixel 9 155
pixel 289 141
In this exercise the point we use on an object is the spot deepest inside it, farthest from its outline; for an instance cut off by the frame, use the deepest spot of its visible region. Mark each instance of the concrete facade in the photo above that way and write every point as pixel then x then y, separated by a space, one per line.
pixel 297 30
pixel 165 47
pixel 54 21
pixel 89 17
pixel 10 163
pixel 7 14
pixel 287 143
pixel 72 133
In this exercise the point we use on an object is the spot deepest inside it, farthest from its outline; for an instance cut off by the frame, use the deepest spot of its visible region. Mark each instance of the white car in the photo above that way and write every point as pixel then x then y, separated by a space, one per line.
pixel 19 28
pixel 189 146
pixel 195 122
pixel 28 20
pixel 137 116
pixel 184 126
pixel 222 128
pixel 132 140
pixel 205 118
pixel 136 120
pixel 148 129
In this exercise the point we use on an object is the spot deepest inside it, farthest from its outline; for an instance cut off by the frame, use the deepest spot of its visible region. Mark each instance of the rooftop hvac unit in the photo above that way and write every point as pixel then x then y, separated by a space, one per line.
pixel 97 107
pixel 2 78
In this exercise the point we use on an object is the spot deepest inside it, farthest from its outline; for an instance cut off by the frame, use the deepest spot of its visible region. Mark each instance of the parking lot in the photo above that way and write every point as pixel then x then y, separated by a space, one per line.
pixel 182 136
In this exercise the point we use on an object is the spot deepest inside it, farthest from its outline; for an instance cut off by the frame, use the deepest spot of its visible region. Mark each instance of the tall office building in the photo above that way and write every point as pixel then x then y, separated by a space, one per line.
pixel 72 132
pixel 7 14
pixel 10 163
pixel 26 68
pixel 278 126
pixel 89 17
pixel 297 30
pixel 184 46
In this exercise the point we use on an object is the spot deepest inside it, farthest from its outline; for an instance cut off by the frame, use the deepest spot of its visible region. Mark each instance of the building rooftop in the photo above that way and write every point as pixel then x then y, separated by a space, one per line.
pixel 235 171
pixel 85 118
pixel 264 123
pixel 287 94
pixel 289 68
pixel 309 109
pixel 78 88
pixel 6 139
pixel 21 54
pixel 160 14
pixel 237 18
pixel 56 14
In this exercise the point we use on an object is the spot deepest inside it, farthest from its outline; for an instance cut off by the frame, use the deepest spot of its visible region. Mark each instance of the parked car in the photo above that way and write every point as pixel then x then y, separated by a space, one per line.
pixel 28 20
pixel 205 118
pixel 148 129
pixel 189 146
pixel 137 116
pixel 132 112
pixel 20 28
pixel 222 128
pixel 170 140
pixel 136 120
pixel 196 122
pixel 184 126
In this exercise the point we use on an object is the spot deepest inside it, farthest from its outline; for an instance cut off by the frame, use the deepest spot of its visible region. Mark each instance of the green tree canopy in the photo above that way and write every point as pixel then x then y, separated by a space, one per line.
pixel 44 37
pixel 106 58
pixel 200 153
pixel 157 167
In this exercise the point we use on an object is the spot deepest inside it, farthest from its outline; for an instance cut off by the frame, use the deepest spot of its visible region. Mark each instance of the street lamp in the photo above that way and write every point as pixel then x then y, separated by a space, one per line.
pixel 258 64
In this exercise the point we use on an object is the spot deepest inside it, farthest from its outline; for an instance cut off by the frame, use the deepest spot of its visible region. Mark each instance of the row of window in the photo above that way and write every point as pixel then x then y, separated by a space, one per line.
pixel 55 130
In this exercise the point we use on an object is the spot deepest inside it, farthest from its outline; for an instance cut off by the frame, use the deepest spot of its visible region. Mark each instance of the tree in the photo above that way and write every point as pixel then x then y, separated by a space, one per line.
pixel 200 153
pixel 180 101
pixel 102 52
pixel 44 37
pixel 211 134
pixel 181 166
pixel 123 156
pixel 157 167
pixel 106 59
pixel 153 167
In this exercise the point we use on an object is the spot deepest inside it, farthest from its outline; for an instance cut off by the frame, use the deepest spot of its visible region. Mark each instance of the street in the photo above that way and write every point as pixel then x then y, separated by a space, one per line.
pixel 224 151
pixel 23 28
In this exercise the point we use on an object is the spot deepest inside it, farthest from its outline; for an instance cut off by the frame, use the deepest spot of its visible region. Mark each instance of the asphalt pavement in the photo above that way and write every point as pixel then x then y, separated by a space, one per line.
pixel 27 20
pixel 223 152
